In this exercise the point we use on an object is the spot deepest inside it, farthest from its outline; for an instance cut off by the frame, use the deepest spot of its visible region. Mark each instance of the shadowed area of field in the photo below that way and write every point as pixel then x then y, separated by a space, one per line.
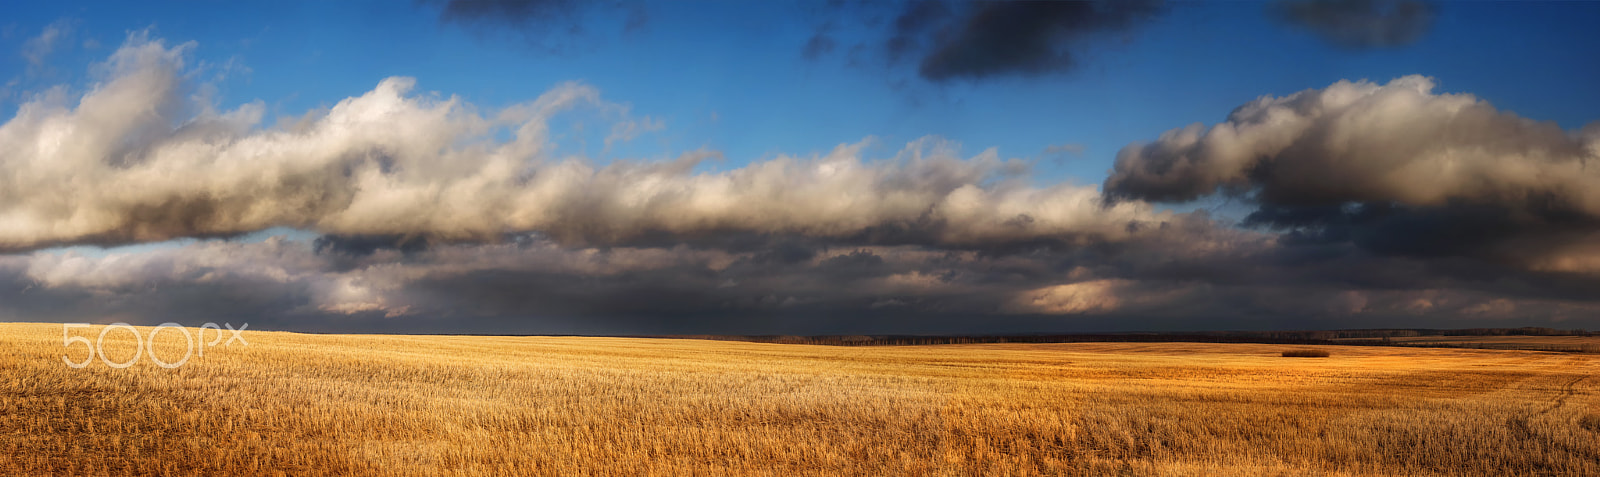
pixel 293 404
pixel 1585 344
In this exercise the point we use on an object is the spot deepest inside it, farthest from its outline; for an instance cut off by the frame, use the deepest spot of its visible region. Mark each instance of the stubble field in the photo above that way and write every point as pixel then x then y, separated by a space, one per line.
pixel 295 404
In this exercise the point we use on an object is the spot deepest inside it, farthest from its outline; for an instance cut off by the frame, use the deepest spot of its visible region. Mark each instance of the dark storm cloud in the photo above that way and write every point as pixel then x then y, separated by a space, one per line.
pixel 788 287
pixel 977 40
pixel 1027 38
pixel 364 245
pixel 1359 24
pixel 1519 237
pixel 1184 274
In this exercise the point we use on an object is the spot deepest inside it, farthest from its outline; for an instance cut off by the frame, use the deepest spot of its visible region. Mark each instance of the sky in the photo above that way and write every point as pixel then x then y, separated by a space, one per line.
pixel 814 167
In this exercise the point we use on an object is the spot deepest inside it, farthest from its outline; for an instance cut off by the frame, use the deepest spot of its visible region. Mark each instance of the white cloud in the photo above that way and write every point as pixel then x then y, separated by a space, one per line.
pixel 136 159
pixel 1403 168
pixel 1365 141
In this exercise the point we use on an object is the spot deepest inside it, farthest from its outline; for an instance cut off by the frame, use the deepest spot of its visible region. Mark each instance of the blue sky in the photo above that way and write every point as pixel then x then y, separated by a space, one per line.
pixel 1394 201
pixel 729 76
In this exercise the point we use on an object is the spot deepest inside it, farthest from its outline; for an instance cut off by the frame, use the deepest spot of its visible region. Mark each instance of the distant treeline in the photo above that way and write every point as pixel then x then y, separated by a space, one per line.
pixel 1324 337
pixel 1524 331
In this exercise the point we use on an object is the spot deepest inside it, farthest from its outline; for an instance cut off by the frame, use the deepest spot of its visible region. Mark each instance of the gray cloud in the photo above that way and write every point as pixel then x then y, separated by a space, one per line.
pixel 1358 24
pixel 1393 168
pixel 546 24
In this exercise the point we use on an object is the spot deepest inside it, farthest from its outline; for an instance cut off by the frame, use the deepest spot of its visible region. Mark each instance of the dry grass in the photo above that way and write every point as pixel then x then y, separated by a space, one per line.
pixel 293 404
pixel 1569 344
pixel 1306 353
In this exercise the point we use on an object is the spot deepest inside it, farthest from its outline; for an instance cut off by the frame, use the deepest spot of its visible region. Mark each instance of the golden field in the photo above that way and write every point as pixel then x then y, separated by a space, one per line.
pixel 296 404
pixel 1587 344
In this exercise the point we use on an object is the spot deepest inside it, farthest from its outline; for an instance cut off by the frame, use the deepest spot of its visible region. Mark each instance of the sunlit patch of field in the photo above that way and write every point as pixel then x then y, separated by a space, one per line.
pixel 293 404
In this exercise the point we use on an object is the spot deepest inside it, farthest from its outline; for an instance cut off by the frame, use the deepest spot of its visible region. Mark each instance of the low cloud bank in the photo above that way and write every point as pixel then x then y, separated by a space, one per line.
pixel 1375 205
